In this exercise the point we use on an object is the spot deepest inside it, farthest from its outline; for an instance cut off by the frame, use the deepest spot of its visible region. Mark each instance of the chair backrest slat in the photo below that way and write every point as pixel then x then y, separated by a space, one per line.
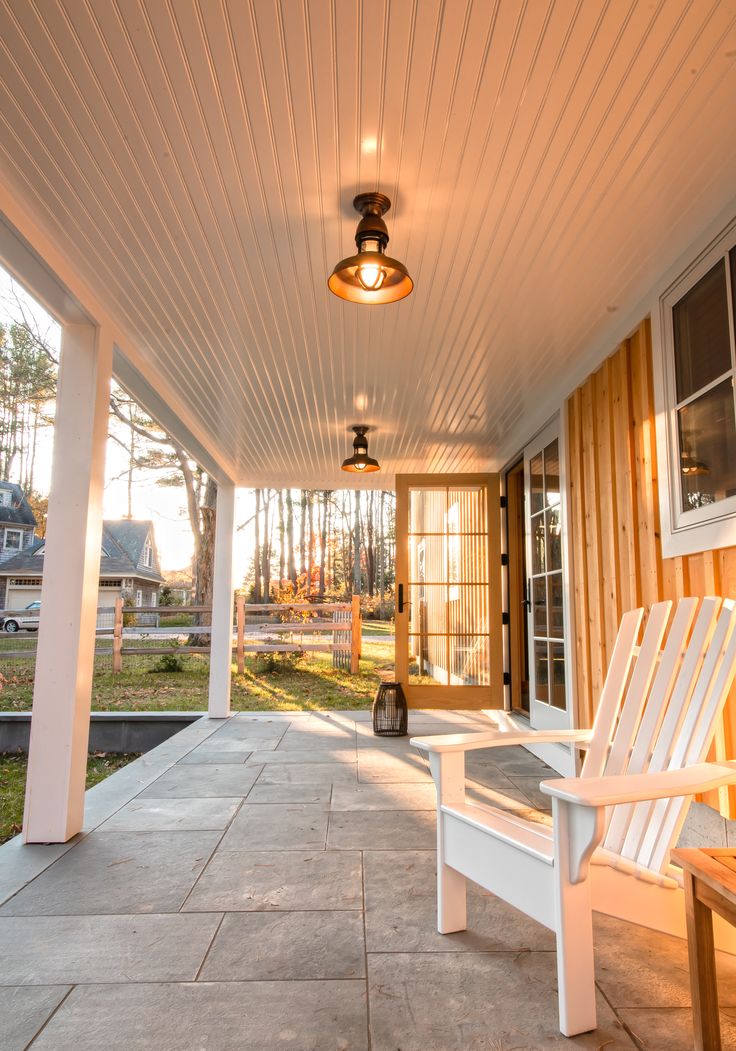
pixel 696 737
pixel 654 711
pixel 669 731
pixel 612 693
pixel 638 691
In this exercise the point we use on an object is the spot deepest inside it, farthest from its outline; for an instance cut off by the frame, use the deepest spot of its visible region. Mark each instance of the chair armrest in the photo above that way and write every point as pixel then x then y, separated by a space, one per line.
pixel 635 788
pixel 497 739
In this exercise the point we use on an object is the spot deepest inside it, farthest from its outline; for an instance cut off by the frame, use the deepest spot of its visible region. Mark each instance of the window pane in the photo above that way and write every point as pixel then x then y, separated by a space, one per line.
pixel 552 473
pixel 427 559
pixel 708 447
pixel 541 680
pixel 700 322
pixel 555 610
pixel 536 483
pixel 539 600
pixel 557 661
pixel 466 510
pixel 427 660
pixel 470 661
pixel 467 610
pixel 428 609
pixel 554 539
pixel 538 559
pixel 427 508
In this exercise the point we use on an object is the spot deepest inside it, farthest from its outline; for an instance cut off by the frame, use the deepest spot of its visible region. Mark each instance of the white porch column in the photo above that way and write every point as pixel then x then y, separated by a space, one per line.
pixel 57 762
pixel 221 653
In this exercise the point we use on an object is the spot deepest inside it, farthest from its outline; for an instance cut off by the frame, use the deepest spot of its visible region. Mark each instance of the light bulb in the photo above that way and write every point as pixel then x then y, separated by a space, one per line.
pixel 360 467
pixel 371 277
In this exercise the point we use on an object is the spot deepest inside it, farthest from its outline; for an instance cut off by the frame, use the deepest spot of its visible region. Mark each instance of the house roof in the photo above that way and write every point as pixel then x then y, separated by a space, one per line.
pixel 20 512
pixel 122 551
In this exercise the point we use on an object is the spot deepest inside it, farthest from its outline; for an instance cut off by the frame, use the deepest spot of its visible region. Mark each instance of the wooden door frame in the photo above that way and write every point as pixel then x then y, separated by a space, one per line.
pixel 448 697
pixel 516 586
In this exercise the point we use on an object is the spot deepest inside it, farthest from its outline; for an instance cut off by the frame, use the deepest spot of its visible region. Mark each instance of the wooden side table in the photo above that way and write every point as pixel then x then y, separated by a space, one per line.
pixel 710 886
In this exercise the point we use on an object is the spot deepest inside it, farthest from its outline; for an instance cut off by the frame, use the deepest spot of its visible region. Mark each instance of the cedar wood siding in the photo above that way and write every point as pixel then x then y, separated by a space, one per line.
pixel 615 549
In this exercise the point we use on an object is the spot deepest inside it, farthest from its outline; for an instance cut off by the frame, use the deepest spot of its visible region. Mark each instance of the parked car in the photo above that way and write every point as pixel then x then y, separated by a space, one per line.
pixel 27 621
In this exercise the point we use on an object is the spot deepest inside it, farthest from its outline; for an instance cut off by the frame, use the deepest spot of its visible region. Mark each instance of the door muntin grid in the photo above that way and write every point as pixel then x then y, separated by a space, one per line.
pixel 449 618
pixel 546 582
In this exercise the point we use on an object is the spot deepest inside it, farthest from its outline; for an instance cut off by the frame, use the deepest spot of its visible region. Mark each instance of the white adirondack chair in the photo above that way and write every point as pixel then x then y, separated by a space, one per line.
pixel 644 760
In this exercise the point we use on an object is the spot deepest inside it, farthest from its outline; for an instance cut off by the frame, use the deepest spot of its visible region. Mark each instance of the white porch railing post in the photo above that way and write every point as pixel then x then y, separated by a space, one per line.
pixel 221 645
pixel 57 762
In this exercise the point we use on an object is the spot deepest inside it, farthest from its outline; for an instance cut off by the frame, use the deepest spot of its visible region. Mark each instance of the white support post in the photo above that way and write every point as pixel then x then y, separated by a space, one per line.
pixel 57 762
pixel 221 645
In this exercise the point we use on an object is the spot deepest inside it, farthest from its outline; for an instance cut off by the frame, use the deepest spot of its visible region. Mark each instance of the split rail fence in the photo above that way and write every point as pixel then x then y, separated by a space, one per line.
pixel 126 635
pixel 257 628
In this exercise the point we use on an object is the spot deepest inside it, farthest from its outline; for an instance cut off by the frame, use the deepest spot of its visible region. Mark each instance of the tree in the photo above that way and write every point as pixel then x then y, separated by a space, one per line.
pixel 27 388
pixel 356 546
pixel 291 561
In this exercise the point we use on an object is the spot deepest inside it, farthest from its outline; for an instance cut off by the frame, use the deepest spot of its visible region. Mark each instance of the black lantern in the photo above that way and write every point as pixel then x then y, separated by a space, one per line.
pixel 390 713
pixel 360 461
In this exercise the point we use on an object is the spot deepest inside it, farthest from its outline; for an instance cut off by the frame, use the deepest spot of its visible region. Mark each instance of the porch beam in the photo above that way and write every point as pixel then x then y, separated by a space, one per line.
pixel 57 762
pixel 221 651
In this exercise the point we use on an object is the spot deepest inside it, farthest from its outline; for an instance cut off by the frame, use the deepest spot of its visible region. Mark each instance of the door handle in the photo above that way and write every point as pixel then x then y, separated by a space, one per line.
pixel 400 601
pixel 528 600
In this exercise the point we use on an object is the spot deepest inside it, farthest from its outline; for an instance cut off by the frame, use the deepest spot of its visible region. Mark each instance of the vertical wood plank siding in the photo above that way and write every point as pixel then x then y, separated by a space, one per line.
pixel 615 545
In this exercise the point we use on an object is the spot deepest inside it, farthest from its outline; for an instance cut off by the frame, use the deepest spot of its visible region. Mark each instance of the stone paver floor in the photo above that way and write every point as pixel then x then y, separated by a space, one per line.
pixel 268 882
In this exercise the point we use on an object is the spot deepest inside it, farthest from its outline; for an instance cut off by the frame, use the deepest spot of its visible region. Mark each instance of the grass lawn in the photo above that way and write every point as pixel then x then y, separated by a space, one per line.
pixel 378 627
pixel 13 784
pixel 281 684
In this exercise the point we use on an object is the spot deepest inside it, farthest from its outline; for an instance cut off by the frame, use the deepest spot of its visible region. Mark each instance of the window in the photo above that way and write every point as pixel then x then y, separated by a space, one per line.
pixel 697 431
pixel 6 498
pixel 111 583
pixel 139 597
pixel 25 582
pixel 148 553
pixel 13 539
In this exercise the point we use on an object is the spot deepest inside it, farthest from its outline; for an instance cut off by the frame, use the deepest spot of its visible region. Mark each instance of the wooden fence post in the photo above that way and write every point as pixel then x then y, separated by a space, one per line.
pixel 117 638
pixel 240 647
pixel 355 636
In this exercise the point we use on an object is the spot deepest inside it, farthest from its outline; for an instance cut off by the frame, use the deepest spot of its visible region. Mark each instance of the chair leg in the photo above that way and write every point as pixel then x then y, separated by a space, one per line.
pixel 575 960
pixel 451 900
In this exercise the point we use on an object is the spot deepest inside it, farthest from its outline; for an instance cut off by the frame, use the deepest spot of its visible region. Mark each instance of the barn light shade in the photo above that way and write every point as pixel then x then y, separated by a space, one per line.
pixel 360 461
pixel 371 276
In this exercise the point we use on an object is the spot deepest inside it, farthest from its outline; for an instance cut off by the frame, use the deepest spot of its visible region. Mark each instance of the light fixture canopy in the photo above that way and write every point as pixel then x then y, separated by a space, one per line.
pixel 371 276
pixel 360 462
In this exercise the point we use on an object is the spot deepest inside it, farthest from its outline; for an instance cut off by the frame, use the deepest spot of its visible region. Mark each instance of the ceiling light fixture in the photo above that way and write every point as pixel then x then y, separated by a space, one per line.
pixel 360 461
pixel 691 466
pixel 371 276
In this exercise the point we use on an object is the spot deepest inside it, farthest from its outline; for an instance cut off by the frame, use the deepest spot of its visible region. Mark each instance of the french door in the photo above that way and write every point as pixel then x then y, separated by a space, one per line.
pixel 449 648
pixel 546 603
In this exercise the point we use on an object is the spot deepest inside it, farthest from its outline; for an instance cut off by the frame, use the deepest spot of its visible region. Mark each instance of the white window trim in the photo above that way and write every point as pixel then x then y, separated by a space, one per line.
pixel 6 498
pixel 713 526
pixel 6 546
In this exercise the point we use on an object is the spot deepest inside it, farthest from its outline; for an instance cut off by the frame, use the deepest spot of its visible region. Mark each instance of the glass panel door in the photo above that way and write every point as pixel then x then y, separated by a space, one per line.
pixel 546 595
pixel 446 637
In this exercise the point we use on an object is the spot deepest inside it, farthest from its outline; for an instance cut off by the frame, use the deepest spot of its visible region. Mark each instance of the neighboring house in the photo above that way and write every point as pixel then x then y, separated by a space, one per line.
pixel 180 587
pixel 17 522
pixel 129 568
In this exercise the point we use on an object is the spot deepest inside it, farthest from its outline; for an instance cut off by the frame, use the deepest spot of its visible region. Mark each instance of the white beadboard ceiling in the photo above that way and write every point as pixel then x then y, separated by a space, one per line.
pixel 195 162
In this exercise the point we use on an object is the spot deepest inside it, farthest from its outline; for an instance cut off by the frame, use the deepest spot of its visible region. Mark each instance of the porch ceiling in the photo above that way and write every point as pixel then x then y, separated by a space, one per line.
pixel 196 163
